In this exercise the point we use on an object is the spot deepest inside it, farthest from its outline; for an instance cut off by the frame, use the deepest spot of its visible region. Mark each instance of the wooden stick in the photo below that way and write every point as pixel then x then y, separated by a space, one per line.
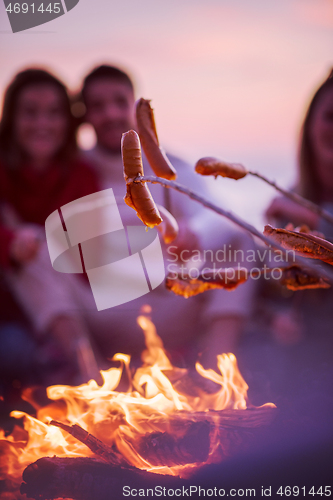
pixel 110 455
pixel 215 167
pixel 296 198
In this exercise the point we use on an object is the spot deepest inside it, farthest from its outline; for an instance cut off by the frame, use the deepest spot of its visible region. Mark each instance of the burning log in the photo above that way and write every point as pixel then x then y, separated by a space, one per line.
pixel 188 440
pixel 159 448
pixel 164 448
pixel 107 453
pixel 233 430
pixel 250 418
pixel 84 478
pixel 166 422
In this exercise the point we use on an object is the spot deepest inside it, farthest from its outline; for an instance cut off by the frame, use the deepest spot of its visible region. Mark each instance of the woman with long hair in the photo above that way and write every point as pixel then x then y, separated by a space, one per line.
pixel 39 172
pixel 315 180
pixel 290 346
pixel 310 311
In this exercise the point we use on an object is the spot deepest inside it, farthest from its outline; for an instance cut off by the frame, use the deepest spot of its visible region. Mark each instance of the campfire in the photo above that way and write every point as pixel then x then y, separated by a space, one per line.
pixel 167 422
pixel 159 423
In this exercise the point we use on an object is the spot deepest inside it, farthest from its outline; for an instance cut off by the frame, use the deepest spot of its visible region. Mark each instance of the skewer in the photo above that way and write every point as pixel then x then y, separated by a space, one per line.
pixel 237 220
pixel 213 166
pixel 296 198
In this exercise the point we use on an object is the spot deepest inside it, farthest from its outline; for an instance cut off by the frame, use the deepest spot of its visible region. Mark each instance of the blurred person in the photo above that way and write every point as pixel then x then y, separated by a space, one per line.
pixel 216 317
pixel 315 164
pixel 108 94
pixel 39 172
pixel 315 183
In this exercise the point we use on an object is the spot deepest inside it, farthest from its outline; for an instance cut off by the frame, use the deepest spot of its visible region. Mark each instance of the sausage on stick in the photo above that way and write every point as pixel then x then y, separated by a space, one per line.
pixel 213 166
pixel 149 140
pixel 306 245
pixel 137 195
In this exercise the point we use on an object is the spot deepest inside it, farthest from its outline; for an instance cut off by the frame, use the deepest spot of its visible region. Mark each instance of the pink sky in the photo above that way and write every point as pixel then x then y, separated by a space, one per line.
pixel 229 78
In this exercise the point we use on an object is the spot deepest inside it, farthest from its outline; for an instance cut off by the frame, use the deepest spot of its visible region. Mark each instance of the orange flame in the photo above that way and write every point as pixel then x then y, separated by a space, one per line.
pixel 156 401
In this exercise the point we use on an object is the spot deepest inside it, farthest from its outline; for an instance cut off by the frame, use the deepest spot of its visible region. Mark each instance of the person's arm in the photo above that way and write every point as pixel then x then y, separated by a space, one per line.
pixel 17 246
pixel 287 210
pixel 324 226
pixel 25 245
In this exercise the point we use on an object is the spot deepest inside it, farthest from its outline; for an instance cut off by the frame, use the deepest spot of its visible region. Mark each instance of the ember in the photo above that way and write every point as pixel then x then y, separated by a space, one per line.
pixel 165 423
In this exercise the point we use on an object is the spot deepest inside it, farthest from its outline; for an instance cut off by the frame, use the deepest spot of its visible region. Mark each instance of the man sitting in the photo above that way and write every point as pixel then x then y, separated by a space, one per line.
pixel 214 318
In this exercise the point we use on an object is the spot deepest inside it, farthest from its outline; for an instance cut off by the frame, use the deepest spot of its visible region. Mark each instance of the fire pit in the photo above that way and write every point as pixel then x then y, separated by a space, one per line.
pixel 168 422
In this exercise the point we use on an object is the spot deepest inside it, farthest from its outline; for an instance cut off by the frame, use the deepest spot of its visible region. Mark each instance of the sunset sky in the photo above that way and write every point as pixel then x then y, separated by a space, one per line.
pixel 229 78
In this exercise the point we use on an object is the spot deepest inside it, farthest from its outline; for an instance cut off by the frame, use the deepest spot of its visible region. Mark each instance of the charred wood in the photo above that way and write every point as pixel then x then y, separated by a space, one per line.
pixel 85 479
pixel 163 448
pixel 107 453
